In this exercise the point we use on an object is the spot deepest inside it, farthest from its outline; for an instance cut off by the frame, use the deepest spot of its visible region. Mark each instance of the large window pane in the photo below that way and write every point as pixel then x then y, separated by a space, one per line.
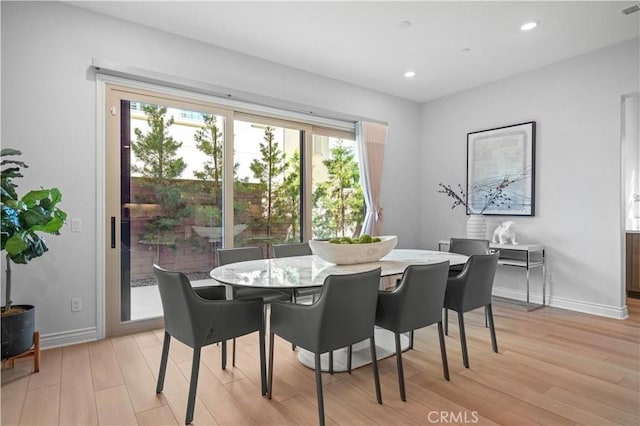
pixel 267 194
pixel 171 198
pixel 338 201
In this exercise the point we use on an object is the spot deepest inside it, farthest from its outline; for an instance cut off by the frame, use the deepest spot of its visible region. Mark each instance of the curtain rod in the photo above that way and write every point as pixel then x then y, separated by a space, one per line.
pixel 231 97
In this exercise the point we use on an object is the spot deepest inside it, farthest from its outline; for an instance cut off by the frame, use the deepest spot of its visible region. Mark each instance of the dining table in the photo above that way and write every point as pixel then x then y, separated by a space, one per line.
pixel 297 272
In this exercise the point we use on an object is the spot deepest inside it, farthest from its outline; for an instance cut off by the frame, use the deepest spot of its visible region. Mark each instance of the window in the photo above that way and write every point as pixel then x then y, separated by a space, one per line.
pixel 338 200
pixel 186 176
pixel 267 181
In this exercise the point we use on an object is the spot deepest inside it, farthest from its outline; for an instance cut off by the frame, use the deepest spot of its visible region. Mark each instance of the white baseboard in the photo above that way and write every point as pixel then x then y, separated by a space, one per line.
pixel 90 334
pixel 66 338
pixel 564 303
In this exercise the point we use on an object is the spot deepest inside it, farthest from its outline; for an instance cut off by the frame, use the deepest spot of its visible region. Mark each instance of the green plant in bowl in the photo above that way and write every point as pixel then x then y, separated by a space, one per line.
pixel 363 239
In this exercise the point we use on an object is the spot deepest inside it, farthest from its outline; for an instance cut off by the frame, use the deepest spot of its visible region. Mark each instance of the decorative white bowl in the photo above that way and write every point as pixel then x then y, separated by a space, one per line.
pixel 349 254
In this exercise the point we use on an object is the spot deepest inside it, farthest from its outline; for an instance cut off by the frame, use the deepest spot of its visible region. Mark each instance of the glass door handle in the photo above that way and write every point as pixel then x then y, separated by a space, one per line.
pixel 113 232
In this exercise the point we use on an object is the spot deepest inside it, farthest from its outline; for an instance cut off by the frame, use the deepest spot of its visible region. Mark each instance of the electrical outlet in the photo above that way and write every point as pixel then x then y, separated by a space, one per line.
pixel 76 304
pixel 76 224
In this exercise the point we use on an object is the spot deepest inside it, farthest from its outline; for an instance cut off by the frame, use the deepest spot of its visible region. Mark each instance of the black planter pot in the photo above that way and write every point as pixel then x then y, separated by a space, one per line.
pixel 17 330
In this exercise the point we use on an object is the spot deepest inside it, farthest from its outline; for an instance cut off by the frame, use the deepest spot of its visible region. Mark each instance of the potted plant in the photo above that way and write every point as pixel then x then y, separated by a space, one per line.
pixel 492 196
pixel 22 219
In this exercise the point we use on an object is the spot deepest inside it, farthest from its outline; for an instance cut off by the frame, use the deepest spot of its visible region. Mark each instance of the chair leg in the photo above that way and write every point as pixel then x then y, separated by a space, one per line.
pixel 223 355
pixel 330 362
pixel 492 328
pixel 36 351
pixel 411 339
pixel 463 340
pixel 163 361
pixel 486 317
pixel 403 395
pixel 376 375
pixel 270 385
pixel 443 352
pixel 263 362
pixel 319 390
pixel 349 355
pixel 294 299
pixel 193 385
pixel 233 354
pixel 446 322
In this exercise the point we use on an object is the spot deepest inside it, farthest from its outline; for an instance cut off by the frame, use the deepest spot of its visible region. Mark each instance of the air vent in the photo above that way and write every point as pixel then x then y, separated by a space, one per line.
pixel 631 9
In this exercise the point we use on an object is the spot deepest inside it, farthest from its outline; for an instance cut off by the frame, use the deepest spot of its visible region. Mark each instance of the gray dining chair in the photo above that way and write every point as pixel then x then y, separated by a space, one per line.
pixel 291 250
pixel 200 317
pixel 469 290
pixel 226 256
pixel 416 303
pixel 468 247
pixel 344 314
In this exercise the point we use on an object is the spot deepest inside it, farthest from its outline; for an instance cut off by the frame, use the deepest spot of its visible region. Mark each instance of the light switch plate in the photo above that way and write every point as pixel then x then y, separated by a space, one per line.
pixel 76 224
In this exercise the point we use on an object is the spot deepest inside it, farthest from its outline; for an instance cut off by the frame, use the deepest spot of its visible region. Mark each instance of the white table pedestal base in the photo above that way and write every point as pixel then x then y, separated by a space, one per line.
pixel 361 353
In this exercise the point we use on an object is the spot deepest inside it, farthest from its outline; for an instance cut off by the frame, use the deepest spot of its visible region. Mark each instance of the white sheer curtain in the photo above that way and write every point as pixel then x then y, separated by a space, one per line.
pixel 372 138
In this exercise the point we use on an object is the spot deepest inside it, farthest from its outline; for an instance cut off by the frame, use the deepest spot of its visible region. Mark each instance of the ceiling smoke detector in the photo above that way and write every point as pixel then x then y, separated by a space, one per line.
pixel 631 9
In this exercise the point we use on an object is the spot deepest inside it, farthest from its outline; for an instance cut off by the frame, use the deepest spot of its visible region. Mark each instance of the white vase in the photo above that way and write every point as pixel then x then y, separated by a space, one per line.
pixel 476 226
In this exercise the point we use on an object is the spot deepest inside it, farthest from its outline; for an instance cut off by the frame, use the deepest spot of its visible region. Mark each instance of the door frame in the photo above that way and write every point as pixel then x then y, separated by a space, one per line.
pixel 108 192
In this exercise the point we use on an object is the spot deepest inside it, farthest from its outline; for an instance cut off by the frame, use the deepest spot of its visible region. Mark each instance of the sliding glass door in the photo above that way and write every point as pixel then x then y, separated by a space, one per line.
pixel 185 177
pixel 165 198
pixel 268 190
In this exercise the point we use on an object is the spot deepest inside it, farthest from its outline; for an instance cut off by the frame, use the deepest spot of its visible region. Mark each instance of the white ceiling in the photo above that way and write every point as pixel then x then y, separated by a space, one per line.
pixel 361 43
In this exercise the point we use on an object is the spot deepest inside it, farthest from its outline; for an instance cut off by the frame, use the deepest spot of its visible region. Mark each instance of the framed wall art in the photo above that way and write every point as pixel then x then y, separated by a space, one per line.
pixel 501 170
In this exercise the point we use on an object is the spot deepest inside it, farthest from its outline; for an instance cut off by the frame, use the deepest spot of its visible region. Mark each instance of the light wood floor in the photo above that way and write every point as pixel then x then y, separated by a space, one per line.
pixel 554 367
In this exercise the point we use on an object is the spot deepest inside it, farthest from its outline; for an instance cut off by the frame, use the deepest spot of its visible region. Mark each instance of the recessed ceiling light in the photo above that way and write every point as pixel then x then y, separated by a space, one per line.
pixel 403 25
pixel 529 26
pixel 410 74
pixel 466 50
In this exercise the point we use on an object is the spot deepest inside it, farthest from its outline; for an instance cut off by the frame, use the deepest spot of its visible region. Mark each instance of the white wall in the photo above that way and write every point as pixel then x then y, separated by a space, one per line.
pixel 49 112
pixel 576 104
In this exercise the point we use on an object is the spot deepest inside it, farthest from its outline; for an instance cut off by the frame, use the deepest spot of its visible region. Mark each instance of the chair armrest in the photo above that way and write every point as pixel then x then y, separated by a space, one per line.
pixel 387 315
pixel 386 297
pixel 211 292
pixel 218 320
pixel 455 291
pixel 299 324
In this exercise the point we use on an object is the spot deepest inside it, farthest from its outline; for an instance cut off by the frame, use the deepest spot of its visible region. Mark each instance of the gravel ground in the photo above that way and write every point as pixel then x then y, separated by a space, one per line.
pixel 152 281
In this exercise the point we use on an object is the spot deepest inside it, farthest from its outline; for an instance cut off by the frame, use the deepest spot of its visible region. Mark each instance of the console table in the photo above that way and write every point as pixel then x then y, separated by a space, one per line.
pixel 527 256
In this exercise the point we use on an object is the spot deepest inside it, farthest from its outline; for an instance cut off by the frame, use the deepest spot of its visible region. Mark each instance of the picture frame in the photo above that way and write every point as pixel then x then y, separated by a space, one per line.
pixel 501 170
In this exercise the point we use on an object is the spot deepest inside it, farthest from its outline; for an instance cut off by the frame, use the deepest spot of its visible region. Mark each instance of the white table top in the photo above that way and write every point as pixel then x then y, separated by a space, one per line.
pixel 310 271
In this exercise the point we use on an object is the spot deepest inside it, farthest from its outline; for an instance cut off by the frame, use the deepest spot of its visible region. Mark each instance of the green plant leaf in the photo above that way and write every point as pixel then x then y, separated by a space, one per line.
pixel 16 244
pixel 56 196
pixel 9 151
pixel 35 216
pixel 51 227
pixel 32 197
pixel 15 205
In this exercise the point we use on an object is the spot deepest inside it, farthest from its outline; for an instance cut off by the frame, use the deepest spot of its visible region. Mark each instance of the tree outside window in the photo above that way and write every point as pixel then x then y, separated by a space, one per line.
pixel 338 201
